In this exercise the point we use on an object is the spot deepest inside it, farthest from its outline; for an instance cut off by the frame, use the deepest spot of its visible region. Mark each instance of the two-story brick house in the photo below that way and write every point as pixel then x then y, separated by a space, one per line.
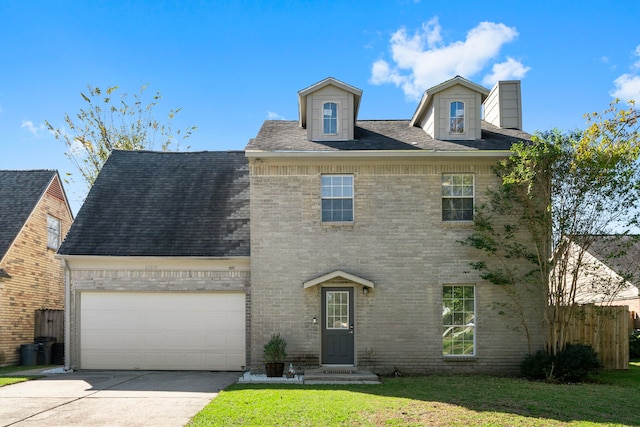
pixel 356 229
pixel 34 218
pixel 353 254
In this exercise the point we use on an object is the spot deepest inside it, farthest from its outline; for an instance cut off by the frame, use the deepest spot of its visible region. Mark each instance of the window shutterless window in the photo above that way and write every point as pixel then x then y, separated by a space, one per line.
pixel 457 197
pixel 456 117
pixel 337 198
pixel 53 232
pixel 458 320
pixel 330 118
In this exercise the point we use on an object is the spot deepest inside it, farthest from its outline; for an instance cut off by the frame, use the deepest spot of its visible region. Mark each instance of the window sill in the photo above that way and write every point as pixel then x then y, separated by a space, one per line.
pixel 455 359
pixel 458 224
pixel 338 224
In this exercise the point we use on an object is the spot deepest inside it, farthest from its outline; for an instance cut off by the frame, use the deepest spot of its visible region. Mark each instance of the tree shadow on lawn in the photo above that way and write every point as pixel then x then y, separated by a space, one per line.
pixel 588 402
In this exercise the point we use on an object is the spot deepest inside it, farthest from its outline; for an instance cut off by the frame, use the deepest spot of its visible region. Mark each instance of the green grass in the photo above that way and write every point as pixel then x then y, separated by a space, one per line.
pixel 8 377
pixel 458 400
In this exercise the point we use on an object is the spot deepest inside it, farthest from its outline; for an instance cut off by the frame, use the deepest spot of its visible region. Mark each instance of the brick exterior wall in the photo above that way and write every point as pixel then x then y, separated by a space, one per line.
pixel 37 278
pixel 398 241
pixel 203 276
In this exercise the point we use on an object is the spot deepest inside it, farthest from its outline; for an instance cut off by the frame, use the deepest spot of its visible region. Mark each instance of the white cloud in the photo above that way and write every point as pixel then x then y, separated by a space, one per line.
pixel 636 64
pixel 627 86
pixel 274 116
pixel 510 69
pixel 422 60
pixel 35 130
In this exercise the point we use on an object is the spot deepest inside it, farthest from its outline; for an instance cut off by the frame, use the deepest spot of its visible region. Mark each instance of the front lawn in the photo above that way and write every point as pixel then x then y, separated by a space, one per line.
pixel 431 400
pixel 10 374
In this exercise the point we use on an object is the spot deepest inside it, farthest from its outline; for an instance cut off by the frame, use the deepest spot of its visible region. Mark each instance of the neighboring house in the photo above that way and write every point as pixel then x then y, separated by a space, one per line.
pixel 611 273
pixel 34 218
pixel 353 257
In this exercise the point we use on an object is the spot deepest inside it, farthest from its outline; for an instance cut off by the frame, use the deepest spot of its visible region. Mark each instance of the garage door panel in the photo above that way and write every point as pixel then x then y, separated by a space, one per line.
pixel 174 331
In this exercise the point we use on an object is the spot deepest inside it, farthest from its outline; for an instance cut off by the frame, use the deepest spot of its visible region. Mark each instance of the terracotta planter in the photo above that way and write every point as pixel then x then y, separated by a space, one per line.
pixel 274 370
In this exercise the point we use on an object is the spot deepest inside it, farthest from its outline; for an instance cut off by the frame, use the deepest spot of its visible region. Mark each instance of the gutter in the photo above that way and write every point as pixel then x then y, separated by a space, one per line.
pixel 377 154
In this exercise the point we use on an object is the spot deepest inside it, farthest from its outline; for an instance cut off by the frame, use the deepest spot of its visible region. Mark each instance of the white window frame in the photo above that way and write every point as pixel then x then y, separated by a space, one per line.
pixel 331 318
pixel 452 196
pixel 455 119
pixel 333 196
pixel 452 320
pixel 324 118
pixel 53 232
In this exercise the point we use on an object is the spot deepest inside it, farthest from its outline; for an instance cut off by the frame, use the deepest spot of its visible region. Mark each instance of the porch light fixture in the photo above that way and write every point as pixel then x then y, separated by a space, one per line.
pixel 365 290
pixel 314 320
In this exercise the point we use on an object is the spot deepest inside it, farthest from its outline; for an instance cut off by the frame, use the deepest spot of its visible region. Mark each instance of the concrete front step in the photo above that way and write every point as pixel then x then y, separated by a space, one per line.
pixel 339 376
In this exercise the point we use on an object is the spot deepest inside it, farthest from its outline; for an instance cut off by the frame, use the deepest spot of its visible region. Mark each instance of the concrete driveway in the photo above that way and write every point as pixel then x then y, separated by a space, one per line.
pixel 111 398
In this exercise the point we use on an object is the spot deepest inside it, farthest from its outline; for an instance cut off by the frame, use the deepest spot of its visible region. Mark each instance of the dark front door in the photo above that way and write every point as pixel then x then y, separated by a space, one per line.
pixel 337 326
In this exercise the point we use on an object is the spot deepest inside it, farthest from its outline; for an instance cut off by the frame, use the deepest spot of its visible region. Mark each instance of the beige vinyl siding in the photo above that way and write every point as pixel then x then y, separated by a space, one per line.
pixel 345 103
pixel 503 107
pixel 472 102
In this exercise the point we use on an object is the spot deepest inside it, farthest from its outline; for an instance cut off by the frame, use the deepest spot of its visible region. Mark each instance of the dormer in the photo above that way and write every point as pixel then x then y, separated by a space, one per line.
pixel 329 110
pixel 452 110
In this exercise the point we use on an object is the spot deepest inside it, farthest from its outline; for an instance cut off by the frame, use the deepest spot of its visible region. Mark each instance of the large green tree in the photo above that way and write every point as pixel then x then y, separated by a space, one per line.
pixel 557 195
pixel 113 121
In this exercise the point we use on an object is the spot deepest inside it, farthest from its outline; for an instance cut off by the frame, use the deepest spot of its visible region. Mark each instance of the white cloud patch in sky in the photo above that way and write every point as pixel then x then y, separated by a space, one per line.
pixel 510 69
pixel 627 86
pixel 274 116
pixel 422 59
pixel 35 130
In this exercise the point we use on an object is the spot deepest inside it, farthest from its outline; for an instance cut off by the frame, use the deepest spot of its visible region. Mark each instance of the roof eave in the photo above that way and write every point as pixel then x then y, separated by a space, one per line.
pixel 253 154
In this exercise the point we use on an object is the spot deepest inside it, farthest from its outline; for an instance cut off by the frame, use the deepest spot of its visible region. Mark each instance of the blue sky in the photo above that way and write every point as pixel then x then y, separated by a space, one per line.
pixel 230 65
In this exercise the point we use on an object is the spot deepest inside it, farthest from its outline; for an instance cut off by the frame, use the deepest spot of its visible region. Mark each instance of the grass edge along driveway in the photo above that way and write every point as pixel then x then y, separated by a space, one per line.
pixel 464 400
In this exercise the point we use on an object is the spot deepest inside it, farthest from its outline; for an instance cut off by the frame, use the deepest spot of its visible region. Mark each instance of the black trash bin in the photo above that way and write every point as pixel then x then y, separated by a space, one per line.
pixel 28 354
pixel 44 349
pixel 57 353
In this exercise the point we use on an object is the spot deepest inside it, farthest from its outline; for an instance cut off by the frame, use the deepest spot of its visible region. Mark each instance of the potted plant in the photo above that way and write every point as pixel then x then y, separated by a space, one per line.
pixel 274 355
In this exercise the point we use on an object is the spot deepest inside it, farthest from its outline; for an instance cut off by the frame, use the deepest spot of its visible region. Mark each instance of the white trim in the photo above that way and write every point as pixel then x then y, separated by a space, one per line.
pixel 378 153
pixel 81 262
pixel 337 104
pixel 338 273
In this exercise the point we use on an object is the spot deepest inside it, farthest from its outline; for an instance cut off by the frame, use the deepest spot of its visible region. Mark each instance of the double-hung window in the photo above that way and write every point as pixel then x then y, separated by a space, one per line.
pixel 457 197
pixel 456 117
pixel 53 232
pixel 330 118
pixel 458 320
pixel 337 198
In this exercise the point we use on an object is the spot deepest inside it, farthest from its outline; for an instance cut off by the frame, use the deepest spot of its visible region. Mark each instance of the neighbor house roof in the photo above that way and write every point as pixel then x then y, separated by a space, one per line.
pixel 619 253
pixel 20 192
pixel 192 204
pixel 281 135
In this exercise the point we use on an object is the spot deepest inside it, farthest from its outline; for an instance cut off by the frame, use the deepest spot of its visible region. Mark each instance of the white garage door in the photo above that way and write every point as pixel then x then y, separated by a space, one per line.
pixel 162 331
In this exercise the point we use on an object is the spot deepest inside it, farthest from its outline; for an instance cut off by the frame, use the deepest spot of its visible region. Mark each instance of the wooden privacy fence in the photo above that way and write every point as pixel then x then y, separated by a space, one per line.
pixel 49 323
pixel 606 329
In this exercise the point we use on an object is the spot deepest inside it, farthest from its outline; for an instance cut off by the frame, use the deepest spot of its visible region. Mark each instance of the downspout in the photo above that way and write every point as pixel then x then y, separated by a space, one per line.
pixel 67 315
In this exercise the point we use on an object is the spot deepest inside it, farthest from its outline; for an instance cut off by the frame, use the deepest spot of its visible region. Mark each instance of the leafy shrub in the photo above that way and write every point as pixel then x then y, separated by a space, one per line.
pixel 634 345
pixel 573 364
pixel 537 366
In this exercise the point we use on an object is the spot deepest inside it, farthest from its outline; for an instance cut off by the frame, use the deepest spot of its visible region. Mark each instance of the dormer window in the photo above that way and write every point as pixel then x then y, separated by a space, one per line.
pixel 330 118
pixel 456 117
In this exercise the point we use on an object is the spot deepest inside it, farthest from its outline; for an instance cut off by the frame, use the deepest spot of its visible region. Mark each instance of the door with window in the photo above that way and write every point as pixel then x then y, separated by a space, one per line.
pixel 337 326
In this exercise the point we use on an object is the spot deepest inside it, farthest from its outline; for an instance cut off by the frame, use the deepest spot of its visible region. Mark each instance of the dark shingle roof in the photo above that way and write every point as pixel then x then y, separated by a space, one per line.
pixel 619 253
pixel 281 135
pixel 165 204
pixel 20 192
